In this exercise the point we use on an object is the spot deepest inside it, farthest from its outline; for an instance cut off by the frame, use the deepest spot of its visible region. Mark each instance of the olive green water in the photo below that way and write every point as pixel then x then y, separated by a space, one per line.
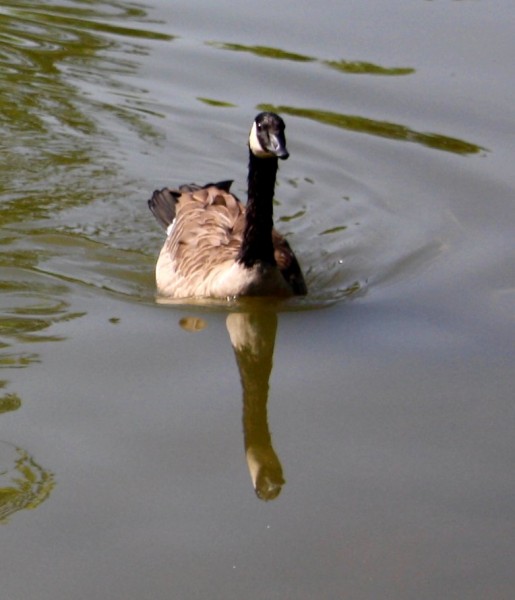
pixel 356 444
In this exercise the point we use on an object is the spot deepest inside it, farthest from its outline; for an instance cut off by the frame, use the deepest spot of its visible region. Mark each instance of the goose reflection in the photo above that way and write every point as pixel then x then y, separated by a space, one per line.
pixel 252 334
pixel 252 337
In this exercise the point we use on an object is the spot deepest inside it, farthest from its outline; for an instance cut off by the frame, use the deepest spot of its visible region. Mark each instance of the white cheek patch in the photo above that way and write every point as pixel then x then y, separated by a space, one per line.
pixel 255 145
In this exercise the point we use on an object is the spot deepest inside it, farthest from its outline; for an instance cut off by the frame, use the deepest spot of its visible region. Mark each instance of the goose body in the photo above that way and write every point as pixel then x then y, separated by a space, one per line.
pixel 217 247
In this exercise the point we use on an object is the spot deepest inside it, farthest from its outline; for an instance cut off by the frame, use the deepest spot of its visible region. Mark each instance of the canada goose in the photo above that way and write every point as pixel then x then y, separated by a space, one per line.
pixel 215 246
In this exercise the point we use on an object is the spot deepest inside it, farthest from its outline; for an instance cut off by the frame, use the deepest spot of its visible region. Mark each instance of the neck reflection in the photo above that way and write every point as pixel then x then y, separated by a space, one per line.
pixel 252 337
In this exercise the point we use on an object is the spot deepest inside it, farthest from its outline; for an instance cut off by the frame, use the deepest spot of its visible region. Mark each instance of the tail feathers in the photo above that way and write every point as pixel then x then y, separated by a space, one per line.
pixel 221 185
pixel 162 204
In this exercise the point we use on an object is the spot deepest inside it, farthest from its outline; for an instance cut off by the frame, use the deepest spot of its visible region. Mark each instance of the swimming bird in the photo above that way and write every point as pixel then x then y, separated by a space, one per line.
pixel 218 248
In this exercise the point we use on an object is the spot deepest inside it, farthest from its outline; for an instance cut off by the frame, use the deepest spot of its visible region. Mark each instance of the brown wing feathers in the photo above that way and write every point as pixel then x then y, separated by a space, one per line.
pixel 288 264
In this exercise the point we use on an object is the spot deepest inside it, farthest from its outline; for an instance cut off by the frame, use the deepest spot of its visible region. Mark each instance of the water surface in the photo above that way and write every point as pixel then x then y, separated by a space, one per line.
pixel 356 444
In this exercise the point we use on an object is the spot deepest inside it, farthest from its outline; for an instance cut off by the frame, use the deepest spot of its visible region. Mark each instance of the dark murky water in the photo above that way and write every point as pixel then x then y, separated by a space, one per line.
pixel 356 444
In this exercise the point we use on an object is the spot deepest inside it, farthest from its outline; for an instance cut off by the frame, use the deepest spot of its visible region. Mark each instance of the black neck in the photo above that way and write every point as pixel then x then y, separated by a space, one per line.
pixel 257 243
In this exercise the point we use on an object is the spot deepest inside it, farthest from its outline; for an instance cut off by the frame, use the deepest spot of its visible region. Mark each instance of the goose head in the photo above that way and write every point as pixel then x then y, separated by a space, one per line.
pixel 266 138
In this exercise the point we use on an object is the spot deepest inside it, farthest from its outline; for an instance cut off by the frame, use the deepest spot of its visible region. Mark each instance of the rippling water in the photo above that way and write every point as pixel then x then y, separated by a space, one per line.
pixel 375 416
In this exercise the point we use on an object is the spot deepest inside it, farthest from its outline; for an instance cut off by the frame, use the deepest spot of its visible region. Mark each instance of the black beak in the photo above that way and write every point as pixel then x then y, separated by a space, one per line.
pixel 277 145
